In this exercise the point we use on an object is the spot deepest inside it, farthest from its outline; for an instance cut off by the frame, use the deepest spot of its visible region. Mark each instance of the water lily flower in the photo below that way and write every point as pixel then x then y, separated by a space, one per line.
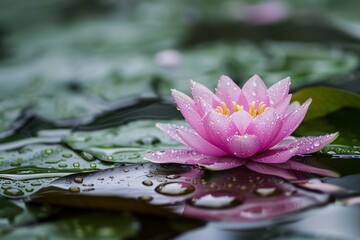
pixel 234 125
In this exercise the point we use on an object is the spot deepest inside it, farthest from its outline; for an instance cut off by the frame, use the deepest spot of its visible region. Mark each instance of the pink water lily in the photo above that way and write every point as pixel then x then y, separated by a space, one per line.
pixel 235 125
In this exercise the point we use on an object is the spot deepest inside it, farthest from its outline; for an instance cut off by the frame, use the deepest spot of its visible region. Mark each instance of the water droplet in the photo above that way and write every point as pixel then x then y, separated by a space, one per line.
pixel 78 179
pixel 6 187
pixel 48 151
pixel 316 143
pixel 67 155
pixel 253 213
pixel 172 176
pixel 268 192
pixel 87 156
pixel 147 183
pixel 14 192
pixel 29 189
pixel 76 164
pixel 74 189
pixel 110 158
pixel 160 153
pixel 88 189
pixel 15 164
pixel 145 198
pixel 216 200
pixel 63 165
pixel 92 165
pixel 36 183
pixel 174 188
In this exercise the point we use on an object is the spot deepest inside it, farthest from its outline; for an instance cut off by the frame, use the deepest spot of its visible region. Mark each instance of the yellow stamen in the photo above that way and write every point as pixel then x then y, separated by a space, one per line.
pixel 223 109
pixel 253 110
pixel 237 107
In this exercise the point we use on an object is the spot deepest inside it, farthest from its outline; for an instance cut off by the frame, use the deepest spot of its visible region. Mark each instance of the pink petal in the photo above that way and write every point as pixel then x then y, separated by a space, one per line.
pixel 291 122
pixel 279 91
pixel 218 127
pixel 275 155
pixel 307 168
pixel 182 156
pixel 255 90
pixel 200 91
pixel 171 130
pixel 243 146
pixel 285 142
pixel 313 143
pixel 242 101
pixel 227 90
pixel 223 163
pixel 292 108
pixel 241 120
pixel 282 106
pixel 270 169
pixel 266 126
pixel 187 108
pixel 203 107
pixel 197 143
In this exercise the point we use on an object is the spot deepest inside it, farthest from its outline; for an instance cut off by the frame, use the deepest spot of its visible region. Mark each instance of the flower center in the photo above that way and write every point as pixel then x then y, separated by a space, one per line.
pixel 253 110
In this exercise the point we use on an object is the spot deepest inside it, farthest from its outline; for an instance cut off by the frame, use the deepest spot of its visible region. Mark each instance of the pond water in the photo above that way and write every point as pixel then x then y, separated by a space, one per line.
pixel 83 83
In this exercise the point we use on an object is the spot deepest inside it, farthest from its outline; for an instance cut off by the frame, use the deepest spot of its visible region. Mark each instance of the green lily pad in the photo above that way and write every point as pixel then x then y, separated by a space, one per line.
pixel 120 87
pixel 16 189
pixel 190 191
pixel 342 121
pixel 304 63
pixel 12 116
pixel 68 109
pixel 326 100
pixel 84 226
pixel 8 209
pixel 125 144
pixel 41 161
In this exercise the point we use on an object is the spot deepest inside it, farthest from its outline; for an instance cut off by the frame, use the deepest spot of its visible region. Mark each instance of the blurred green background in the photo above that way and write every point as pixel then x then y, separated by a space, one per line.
pixel 75 59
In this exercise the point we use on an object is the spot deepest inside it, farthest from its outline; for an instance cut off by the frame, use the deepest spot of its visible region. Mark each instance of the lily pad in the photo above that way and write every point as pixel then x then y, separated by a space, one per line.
pixel 12 116
pixel 68 109
pixel 126 143
pixel 220 196
pixel 41 161
pixel 304 63
pixel 8 209
pixel 326 100
pixel 84 226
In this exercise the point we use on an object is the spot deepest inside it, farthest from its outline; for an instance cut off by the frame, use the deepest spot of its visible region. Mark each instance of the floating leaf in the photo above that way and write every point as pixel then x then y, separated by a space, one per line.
pixel 84 226
pixel 326 100
pixel 68 109
pixel 342 121
pixel 41 161
pixel 12 116
pixel 126 143
pixel 191 192
pixel 8 209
